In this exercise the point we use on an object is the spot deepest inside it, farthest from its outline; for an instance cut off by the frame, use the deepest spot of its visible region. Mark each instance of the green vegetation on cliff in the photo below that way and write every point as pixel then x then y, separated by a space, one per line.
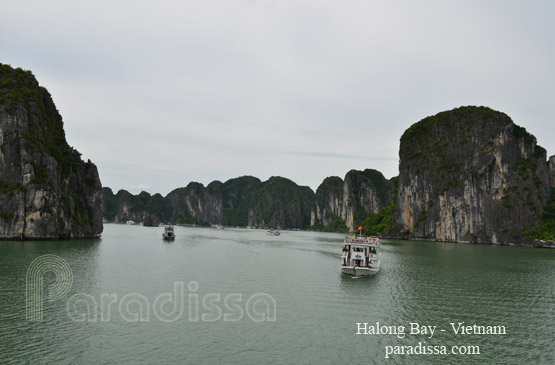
pixel 470 174
pixel 62 189
pixel 237 197
pixel 328 202
pixel 381 185
pixel 434 143
pixel 337 225
pixel 546 230
pixel 469 163
pixel 137 204
pixel 196 204
pixel 379 223
pixel 281 202
pixel 361 182
pixel 353 200
pixel 237 202
pixel 20 90
pixel 331 183
pixel 11 188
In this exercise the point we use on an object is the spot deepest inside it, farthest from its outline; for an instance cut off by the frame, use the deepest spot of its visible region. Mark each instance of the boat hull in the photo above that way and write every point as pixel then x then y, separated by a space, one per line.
pixel 359 271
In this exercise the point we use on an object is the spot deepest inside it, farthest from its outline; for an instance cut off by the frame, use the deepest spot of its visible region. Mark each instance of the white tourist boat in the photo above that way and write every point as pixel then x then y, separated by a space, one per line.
pixel 360 256
pixel 273 232
pixel 169 233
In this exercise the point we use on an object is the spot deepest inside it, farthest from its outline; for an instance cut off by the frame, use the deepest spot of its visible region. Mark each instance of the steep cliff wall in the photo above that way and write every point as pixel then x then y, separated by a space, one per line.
pixel 237 197
pixel 124 206
pixel 328 201
pixel 470 174
pixel 151 220
pixel 242 201
pixel 352 200
pixel 46 190
pixel 197 204
pixel 552 171
pixel 364 193
pixel 279 202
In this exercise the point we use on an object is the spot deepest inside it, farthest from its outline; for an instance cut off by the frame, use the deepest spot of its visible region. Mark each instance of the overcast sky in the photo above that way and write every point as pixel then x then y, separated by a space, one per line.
pixel 161 93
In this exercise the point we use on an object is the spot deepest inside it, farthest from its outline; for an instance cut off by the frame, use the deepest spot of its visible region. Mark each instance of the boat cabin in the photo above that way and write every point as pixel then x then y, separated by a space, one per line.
pixel 360 255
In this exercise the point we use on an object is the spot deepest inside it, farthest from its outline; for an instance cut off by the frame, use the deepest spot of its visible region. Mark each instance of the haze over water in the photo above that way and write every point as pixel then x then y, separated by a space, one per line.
pixel 317 309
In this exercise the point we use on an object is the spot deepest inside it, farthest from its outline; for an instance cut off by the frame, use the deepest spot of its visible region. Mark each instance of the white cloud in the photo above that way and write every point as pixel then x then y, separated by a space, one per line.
pixel 162 93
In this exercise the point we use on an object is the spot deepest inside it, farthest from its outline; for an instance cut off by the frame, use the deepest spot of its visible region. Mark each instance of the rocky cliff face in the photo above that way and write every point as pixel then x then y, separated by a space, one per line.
pixel 124 206
pixel 328 201
pixel 364 193
pixel 246 200
pixel 151 220
pixel 197 204
pixel 352 200
pixel 552 171
pixel 280 203
pixel 242 201
pixel 46 190
pixel 237 197
pixel 470 174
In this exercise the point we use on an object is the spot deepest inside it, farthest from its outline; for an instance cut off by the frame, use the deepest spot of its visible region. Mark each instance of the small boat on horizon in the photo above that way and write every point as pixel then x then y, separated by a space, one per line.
pixel 360 256
pixel 273 232
pixel 169 234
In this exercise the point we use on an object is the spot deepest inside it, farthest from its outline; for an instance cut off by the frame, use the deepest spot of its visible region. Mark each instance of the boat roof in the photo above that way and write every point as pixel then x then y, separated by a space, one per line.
pixel 362 241
pixel 361 244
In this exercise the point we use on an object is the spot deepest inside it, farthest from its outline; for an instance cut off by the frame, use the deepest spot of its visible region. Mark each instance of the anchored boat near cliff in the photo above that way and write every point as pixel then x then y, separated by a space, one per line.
pixel 169 234
pixel 361 256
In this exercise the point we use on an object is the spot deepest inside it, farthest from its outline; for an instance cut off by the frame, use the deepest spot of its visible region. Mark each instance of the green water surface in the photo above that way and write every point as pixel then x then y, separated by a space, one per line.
pixel 316 308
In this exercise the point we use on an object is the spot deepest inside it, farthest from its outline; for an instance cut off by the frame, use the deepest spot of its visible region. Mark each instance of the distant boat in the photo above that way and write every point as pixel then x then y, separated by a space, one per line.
pixel 169 234
pixel 273 232
pixel 217 226
pixel 361 256
pixel 130 222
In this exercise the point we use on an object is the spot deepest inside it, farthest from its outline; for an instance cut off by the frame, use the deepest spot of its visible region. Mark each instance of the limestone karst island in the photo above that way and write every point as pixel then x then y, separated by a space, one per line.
pixel 465 175
pixel 46 190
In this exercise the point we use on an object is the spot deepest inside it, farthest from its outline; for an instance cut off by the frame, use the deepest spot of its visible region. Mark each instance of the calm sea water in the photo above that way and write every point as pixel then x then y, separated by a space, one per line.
pixel 317 309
